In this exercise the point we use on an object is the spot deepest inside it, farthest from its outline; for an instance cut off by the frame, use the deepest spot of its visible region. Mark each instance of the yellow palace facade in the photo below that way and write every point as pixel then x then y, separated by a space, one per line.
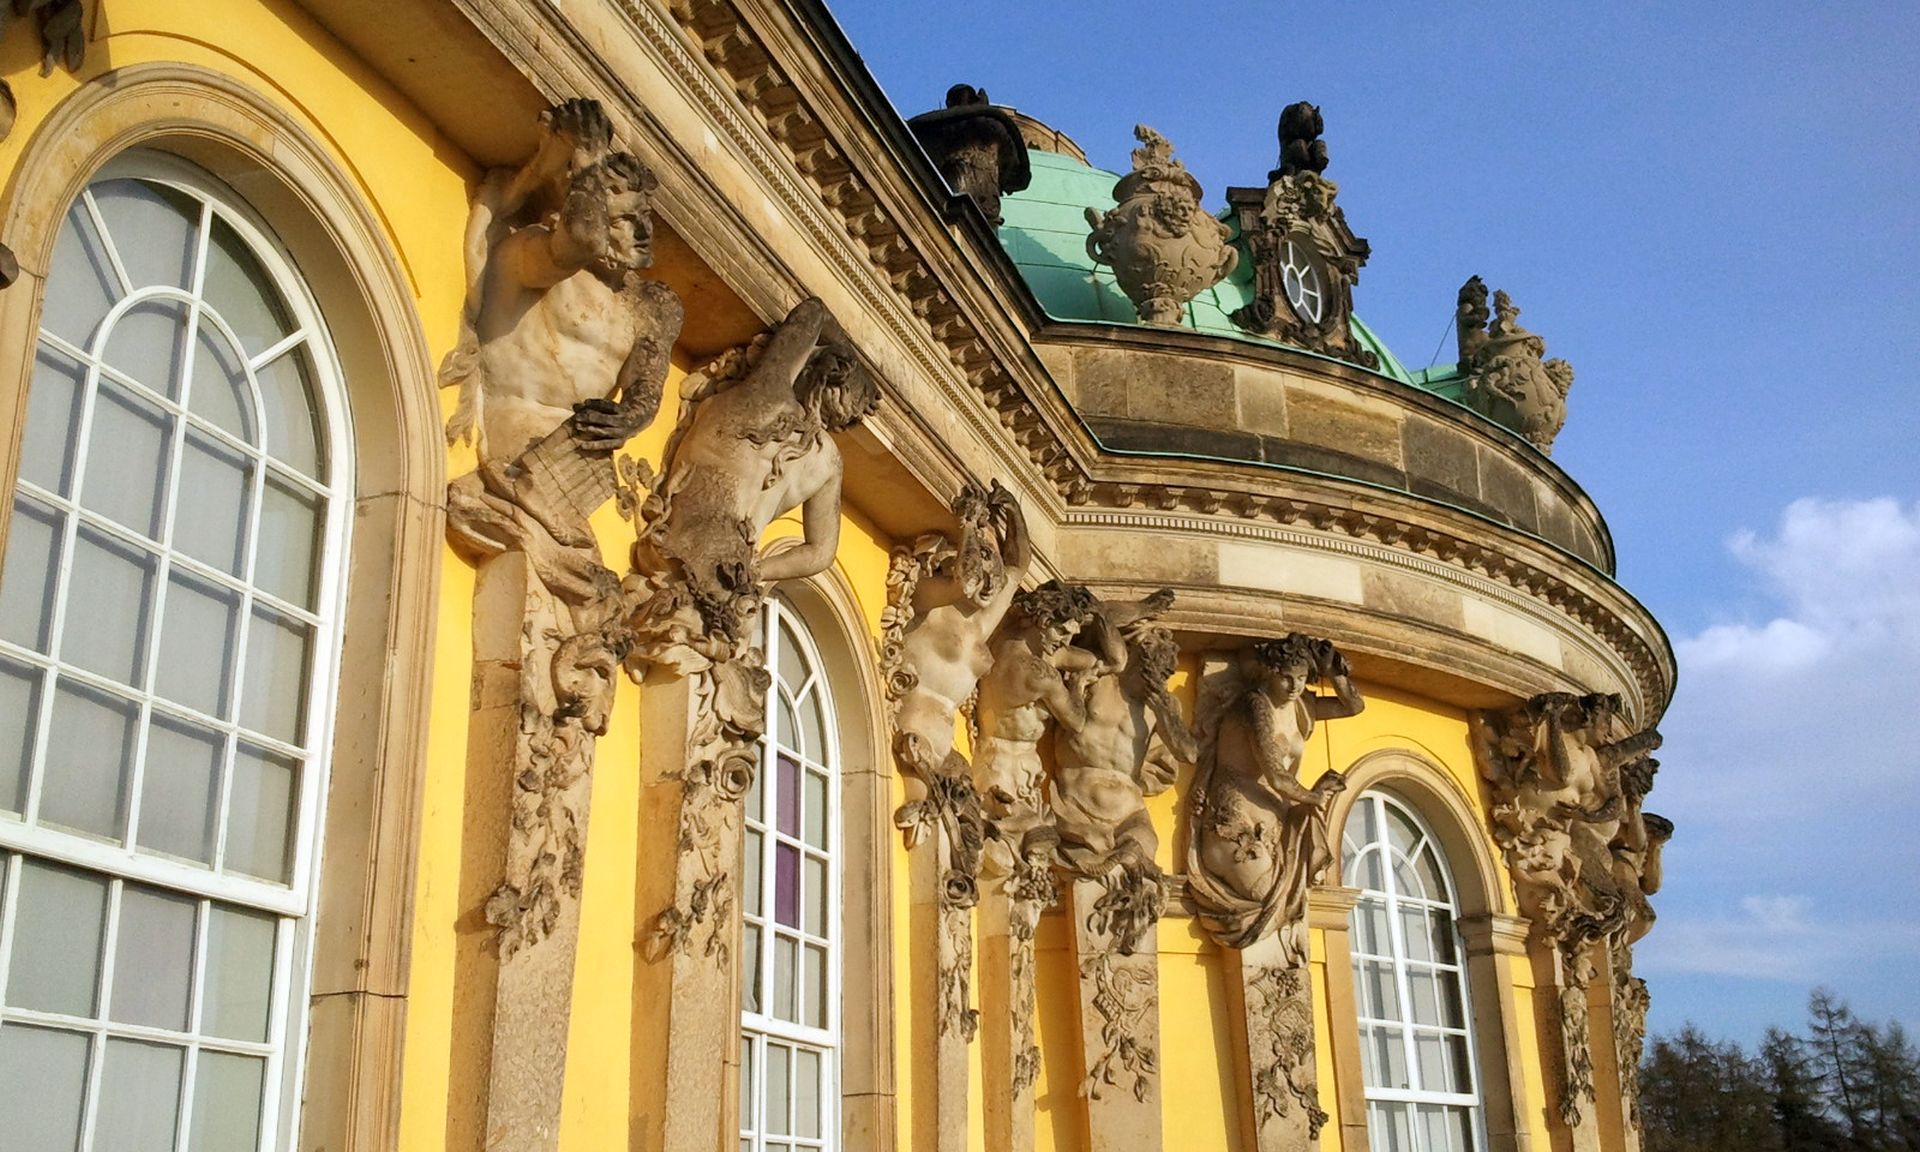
pixel 574 581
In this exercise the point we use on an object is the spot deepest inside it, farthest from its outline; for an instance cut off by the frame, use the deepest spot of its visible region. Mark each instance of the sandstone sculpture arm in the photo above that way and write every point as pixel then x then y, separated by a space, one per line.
pixel 820 518
pixel 1277 771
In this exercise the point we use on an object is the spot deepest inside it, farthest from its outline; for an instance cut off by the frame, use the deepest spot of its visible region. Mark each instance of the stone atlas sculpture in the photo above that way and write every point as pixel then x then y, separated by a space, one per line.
pixel 1257 841
pixel 562 357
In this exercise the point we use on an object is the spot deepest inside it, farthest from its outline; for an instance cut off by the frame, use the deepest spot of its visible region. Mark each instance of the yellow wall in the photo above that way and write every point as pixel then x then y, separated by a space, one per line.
pixel 416 184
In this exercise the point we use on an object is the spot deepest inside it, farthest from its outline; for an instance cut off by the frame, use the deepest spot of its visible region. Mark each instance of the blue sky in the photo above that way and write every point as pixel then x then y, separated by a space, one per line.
pixel 1716 221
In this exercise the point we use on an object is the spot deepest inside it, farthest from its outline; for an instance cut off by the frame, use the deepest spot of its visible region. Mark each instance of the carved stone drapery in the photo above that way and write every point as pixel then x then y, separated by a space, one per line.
pixel 977 146
pixel 1306 259
pixel 945 599
pixel 1507 378
pixel 1567 776
pixel 1257 841
pixel 562 357
pixel 1164 248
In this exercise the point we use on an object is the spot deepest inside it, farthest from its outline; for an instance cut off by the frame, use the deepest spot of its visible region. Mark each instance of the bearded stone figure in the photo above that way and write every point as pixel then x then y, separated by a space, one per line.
pixel 1127 749
pixel 1259 838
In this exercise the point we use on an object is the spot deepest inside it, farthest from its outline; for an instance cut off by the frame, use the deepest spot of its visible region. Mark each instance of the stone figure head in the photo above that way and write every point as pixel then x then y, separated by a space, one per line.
pixel 836 389
pixel 1055 611
pixel 628 186
pixel 1284 668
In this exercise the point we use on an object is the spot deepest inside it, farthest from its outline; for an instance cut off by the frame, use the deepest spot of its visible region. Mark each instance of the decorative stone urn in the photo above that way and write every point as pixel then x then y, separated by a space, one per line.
pixel 1163 247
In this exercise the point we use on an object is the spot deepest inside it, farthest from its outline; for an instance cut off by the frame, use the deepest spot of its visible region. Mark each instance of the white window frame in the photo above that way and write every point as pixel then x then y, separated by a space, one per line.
pixel 296 902
pixel 1389 897
pixel 756 1028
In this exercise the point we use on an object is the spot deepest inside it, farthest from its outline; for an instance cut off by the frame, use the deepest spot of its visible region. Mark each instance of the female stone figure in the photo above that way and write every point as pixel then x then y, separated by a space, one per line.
pixel 1259 838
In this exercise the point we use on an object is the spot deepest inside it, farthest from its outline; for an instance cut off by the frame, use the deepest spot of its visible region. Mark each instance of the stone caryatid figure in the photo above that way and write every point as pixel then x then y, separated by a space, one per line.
pixel 1507 378
pixel 562 357
pixel 1568 775
pixel 1306 260
pixel 946 598
pixel 977 146
pixel 1258 840
pixel 1259 837
pixel 1164 248
pixel 1030 687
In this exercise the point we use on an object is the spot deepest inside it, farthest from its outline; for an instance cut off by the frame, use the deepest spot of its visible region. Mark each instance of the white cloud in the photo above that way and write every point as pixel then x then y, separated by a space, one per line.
pixel 1775 938
pixel 1846 573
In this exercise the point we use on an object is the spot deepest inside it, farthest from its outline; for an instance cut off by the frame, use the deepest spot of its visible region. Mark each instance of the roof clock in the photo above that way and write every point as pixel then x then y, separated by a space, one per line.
pixel 1305 258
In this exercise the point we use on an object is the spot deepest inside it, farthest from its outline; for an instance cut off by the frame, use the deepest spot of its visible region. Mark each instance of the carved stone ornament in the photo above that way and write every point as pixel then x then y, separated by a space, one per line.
pixel 1280 1013
pixel 63 31
pixel 1164 248
pixel 1567 777
pixel 977 146
pixel 1306 259
pixel 562 357
pixel 1259 838
pixel 1506 378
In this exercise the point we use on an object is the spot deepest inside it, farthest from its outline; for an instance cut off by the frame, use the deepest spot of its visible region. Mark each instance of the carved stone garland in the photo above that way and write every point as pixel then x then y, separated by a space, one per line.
pixel 1258 840
pixel 1567 777
pixel 946 597
pixel 1306 259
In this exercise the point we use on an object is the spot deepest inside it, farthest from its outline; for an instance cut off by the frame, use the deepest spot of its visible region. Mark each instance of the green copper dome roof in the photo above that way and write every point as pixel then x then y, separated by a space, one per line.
pixel 1045 234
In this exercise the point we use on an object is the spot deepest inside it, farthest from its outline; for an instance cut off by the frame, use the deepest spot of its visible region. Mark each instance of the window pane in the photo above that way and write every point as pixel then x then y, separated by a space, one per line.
pixel 1440 930
pixel 1413 934
pixel 1432 879
pixel 1390 1127
pixel 27 580
pixel 239 290
pixel 198 632
pixel 749 1088
pixel 139 1097
pixel 814 725
pixel 53 413
pixel 19 714
pixel 816 810
pixel 750 968
pixel 45 1074
pixel 152 228
pixel 1369 875
pixel 180 789
pixel 1407 881
pixel 273 697
pixel 784 963
pixel 221 394
pixel 1370 933
pixel 787 727
pixel 793 664
pixel 289 529
pixel 1426 1000
pixel 1452 1012
pixel 153 958
pixel 750 873
pixel 1379 995
pixel 816 895
pixel 260 813
pixel 807 1093
pixel 148 344
pixel 210 523
pixel 787 793
pixel 58 929
pixel 1402 833
pixel 1389 1058
pixel 287 391
pixel 779 1093
pixel 81 285
pixel 109 607
pixel 813 993
pixel 1431 1052
pixel 226 1103
pixel 84 785
pixel 126 459
pixel 239 974
pixel 786 885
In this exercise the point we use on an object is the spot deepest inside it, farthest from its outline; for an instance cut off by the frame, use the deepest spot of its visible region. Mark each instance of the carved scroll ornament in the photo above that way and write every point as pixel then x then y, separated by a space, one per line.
pixel 1164 248
pixel 1508 379
pixel 1567 776
pixel 1306 259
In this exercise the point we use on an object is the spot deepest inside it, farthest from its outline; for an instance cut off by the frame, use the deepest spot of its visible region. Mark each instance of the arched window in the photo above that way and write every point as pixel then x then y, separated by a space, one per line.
pixel 790 900
pixel 169 614
pixel 1416 1039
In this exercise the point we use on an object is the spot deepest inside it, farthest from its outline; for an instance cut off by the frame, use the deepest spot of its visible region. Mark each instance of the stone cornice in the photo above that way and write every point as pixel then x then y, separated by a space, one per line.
pixel 967 335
